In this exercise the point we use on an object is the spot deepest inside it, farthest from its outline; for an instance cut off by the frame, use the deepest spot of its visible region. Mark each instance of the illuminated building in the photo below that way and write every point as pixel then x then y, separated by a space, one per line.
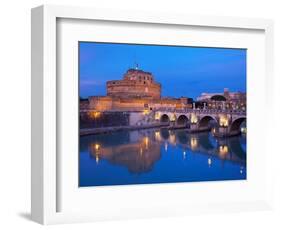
pixel 135 83
pixel 137 91
pixel 225 100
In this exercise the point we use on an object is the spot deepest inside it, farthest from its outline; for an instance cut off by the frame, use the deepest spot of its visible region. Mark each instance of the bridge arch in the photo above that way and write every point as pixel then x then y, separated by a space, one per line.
pixel 204 122
pixel 235 125
pixel 182 120
pixel 164 118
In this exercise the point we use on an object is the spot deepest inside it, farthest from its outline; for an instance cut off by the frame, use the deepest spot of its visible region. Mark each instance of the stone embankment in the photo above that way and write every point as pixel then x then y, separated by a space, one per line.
pixel 92 131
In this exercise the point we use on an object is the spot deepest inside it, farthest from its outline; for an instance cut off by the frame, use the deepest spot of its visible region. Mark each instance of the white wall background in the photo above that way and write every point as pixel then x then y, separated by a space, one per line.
pixel 15 112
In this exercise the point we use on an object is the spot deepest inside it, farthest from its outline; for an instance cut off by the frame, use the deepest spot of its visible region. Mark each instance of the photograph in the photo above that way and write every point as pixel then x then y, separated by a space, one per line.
pixel 151 113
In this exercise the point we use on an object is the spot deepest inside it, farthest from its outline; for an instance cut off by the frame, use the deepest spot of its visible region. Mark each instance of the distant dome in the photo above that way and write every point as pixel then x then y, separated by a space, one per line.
pixel 218 98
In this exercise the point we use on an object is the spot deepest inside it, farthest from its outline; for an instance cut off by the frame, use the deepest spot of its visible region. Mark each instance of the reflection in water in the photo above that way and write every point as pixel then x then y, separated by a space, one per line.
pixel 158 156
pixel 223 151
pixel 209 162
pixel 137 157
pixel 193 143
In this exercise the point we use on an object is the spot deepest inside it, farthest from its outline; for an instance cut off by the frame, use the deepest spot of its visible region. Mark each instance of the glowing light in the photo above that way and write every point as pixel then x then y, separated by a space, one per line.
pixel 157 136
pixel 213 131
pixel 157 116
pixel 193 119
pixel 209 162
pixel 141 151
pixel 223 150
pixel 193 143
pixel 243 130
pixel 166 147
pixel 146 141
pixel 223 121
pixel 173 117
pixel 184 154
pixel 146 112
pixel 241 170
pixel 97 147
pixel 97 158
pixel 94 114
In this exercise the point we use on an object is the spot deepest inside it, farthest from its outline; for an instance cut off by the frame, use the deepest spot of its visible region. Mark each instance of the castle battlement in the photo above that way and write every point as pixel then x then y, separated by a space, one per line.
pixel 135 84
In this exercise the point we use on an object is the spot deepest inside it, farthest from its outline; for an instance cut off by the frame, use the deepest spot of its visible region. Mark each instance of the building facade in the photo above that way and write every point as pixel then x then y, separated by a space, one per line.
pixel 137 91
pixel 135 84
pixel 224 100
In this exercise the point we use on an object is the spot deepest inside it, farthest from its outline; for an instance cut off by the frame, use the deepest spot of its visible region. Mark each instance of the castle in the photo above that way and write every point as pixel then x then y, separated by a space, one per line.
pixel 137 91
pixel 135 84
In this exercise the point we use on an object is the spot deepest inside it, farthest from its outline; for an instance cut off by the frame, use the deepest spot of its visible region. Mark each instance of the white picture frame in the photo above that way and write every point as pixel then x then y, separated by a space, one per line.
pixel 45 90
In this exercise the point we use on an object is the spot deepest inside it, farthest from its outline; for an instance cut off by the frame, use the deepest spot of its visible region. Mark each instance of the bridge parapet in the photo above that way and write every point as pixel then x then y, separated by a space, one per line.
pixel 201 111
pixel 228 121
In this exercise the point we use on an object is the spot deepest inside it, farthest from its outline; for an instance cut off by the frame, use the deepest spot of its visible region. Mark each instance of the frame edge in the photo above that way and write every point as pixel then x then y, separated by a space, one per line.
pixel 37 162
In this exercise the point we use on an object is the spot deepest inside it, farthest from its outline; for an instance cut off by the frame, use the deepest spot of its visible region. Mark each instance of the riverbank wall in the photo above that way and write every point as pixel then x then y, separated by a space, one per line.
pixel 93 131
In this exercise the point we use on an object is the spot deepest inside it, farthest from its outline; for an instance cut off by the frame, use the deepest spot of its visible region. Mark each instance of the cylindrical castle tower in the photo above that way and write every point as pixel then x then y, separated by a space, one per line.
pixel 135 84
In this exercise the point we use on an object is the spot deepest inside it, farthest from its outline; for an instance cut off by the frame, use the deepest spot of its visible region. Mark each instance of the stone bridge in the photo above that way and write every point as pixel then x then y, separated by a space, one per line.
pixel 224 122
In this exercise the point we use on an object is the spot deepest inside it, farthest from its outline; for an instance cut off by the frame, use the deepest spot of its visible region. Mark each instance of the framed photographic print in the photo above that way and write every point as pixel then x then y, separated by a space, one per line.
pixel 140 114
pixel 183 125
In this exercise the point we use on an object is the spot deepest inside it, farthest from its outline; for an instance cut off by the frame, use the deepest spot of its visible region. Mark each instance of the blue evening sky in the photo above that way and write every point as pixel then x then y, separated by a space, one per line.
pixel 182 71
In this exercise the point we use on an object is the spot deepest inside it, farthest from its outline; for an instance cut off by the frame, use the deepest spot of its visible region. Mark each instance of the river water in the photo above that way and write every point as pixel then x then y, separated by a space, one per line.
pixel 159 156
